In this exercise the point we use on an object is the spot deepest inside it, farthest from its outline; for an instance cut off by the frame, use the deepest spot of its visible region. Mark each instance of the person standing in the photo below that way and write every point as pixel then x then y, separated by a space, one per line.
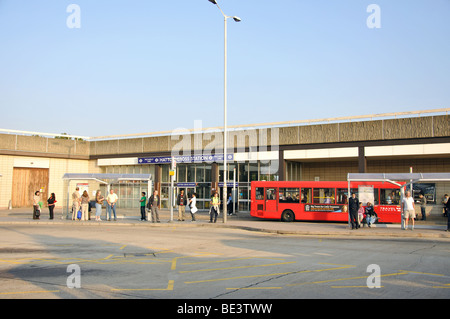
pixel 423 206
pixel 76 202
pixel 181 202
pixel 111 200
pixel 193 205
pixel 84 205
pixel 447 206
pixel 98 205
pixel 353 206
pixel 143 201
pixel 36 207
pixel 408 208
pixel 215 203
pixel 361 212
pixel 51 204
pixel 153 202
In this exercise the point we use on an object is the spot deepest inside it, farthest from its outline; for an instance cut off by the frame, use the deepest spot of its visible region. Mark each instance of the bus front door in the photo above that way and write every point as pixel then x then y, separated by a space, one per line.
pixel 271 200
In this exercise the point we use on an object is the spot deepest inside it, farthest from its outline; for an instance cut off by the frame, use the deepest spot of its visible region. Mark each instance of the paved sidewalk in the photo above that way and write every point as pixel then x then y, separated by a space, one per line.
pixel 433 228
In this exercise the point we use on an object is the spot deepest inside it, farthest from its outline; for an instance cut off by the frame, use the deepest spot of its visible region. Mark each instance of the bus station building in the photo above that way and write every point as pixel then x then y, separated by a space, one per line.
pixel 322 150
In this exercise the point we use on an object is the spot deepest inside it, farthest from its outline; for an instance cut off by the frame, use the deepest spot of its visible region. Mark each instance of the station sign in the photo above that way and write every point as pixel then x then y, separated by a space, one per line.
pixel 185 159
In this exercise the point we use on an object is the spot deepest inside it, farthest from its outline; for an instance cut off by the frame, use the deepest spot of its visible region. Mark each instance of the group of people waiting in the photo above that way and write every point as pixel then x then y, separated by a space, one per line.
pixel 357 213
pixel 80 205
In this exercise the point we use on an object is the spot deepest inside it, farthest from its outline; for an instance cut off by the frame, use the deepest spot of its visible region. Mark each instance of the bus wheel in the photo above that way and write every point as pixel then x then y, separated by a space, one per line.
pixel 288 216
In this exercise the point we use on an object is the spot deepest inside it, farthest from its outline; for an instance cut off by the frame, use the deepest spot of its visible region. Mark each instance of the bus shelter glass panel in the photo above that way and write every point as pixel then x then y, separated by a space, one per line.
pixel 389 196
pixel 342 195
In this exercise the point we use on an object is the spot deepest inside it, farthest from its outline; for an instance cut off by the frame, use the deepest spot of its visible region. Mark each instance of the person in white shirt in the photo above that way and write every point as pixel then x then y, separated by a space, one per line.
pixel 408 209
pixel 111 199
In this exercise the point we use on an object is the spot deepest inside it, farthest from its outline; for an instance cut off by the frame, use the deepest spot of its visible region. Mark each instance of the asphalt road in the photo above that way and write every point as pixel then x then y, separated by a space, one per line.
pixel 170 262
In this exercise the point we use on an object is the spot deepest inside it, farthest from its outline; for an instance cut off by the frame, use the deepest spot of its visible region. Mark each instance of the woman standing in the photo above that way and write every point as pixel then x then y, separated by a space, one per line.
pixel 84 206
pixel 36 207
pixel 193 205
pixel 51 204
pixel 215 203
pixel 98 205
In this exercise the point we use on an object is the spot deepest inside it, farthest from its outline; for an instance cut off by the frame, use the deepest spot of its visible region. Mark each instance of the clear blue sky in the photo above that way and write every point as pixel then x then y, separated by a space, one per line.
pixel 141 66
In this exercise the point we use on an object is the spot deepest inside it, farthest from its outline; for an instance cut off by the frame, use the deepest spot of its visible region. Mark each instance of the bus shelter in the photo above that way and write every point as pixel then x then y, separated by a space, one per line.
pixel 408 180
pixel 105 180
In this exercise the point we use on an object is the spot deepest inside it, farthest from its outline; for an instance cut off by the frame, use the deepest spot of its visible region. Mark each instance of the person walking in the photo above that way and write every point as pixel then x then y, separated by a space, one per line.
pixel 76 202
pixel 353 205
pixel 85 206
pixel 408 209
pixel 111 200
pixel 182 201
pixel 51 204
pixel 143 201
pixel 215 210
pixel 98 205
pixel 153 202
pixel 193 205
pixel 423 206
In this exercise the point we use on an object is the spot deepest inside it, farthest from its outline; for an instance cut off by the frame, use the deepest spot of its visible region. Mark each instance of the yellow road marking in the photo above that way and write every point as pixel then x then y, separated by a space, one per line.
pixel 255 288
pixel 342 279
pixel 237 267
pixel 353 287
pixel 169 287
pixel 28 292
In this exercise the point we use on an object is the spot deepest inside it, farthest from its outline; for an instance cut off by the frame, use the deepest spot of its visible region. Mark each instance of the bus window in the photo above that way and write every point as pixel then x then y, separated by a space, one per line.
pixel 342 196
pixel 259 193
pixel 306 195
pixel 389 196
pixel 324 196
pixel 289 195
pixel 271 194
pixel 376 196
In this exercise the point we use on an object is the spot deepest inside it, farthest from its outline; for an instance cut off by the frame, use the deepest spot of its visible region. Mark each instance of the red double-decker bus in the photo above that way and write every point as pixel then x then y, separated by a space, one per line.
pixel 322 201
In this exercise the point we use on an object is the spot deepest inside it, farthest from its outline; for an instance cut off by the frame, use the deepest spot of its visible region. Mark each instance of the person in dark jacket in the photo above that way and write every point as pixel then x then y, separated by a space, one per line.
pixel 353 206
pixel 51 204
pixel 182 202
pixel 371 215
pixel 153 203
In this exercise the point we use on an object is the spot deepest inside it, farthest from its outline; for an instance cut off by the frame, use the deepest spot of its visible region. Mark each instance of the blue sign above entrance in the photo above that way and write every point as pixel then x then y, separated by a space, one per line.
pixel 185 159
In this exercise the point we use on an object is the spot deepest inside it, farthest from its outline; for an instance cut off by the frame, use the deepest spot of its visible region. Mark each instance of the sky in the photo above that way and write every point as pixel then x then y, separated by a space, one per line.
pixel 140 66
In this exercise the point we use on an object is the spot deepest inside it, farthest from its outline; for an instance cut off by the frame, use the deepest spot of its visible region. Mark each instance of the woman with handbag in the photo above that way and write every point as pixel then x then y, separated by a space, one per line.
pixel 192 205
pixel 51 204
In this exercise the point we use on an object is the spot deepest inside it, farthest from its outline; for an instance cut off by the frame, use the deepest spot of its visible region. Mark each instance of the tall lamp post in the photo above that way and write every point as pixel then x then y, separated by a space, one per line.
pixel 225 168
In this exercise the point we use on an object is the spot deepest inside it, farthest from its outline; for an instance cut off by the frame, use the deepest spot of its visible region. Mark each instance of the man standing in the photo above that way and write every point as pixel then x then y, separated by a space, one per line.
pixel 76 203
pixel 153 202
pixel 353 206
pixel 408 209
pixel 181 202
pixel 423 206
pixel 112 201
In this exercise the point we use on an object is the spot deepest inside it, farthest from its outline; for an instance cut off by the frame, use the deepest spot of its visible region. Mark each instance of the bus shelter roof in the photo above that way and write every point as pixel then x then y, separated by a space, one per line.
pixel 102 177
pixel 389 177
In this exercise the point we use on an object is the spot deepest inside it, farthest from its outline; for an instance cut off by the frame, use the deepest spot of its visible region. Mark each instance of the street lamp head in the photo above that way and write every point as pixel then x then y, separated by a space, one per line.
pixel 237 19
pixel 213 1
